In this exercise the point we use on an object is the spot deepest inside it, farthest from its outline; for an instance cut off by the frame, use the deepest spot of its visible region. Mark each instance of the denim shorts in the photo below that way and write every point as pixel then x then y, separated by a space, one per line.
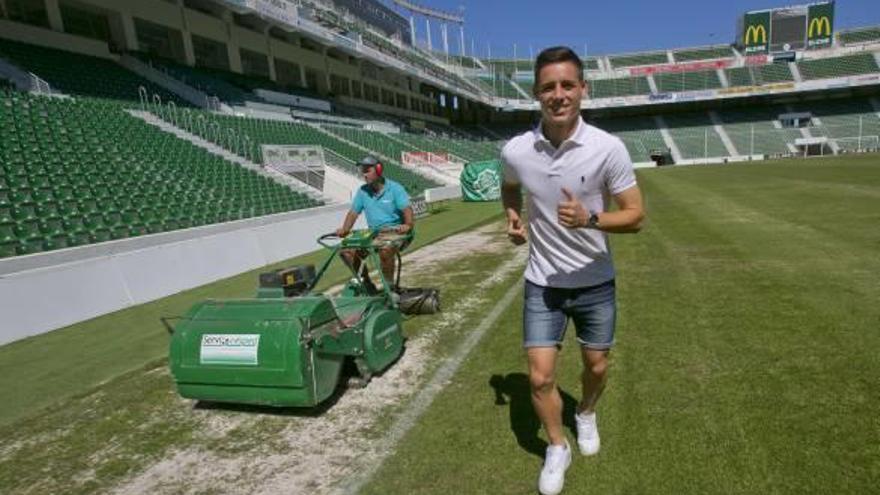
pixel 547 309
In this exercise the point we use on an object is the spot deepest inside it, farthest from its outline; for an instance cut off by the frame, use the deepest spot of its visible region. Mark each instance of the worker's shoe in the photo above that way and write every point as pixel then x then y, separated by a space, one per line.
pixel 588 433
pixel 552 478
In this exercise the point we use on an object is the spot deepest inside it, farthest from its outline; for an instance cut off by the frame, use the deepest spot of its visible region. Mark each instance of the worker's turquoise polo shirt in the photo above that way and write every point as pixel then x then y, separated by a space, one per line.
pixel 384 209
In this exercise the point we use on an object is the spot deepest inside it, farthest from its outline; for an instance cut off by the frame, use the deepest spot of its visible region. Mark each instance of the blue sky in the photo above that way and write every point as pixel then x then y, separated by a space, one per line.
pixel 614 26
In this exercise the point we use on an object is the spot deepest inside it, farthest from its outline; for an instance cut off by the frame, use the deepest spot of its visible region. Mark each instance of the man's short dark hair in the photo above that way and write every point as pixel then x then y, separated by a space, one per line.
pixel 555 55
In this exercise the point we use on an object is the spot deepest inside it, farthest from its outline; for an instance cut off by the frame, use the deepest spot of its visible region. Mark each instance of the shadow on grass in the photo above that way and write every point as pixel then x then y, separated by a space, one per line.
pixel 513 390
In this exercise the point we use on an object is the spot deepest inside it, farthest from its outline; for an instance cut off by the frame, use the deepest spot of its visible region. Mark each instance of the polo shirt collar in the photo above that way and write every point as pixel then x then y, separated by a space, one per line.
pixel 373 194
pixel 578 137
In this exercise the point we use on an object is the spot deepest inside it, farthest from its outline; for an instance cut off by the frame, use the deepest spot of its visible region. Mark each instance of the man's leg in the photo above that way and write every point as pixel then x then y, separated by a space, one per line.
pixel 592 378
pixel 594 313
pixel 545 396
pixel 543 330
pixel 354 259
pixel 388 257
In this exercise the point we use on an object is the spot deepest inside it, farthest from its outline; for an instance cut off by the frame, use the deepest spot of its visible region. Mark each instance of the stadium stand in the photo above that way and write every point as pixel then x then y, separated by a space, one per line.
pixel 201 80
pixel 373 140
pixel 695 136
pixel 619 86
pixel 693 54
pixel 80 171
pixel 857 36
pixel 740 76
pixel 509 66
pixel 752 130
pixel 500 86
pixel 772 73
pixel 639 134
pixel 687 81
pixel 621 61
pixel 848 65
pixel 78 74
pixel 591 63
pixel 758 75
pixel 852 123
pixel 214 127
pixel 467 62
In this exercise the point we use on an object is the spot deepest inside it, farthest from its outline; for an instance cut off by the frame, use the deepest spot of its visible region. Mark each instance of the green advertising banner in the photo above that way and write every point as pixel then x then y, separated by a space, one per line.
pixel 756 32
pixel 481 181
pixel 820 25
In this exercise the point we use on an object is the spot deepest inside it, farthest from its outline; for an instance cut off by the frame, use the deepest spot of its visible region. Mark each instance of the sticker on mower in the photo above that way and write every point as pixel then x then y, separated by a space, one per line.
pixel 234 349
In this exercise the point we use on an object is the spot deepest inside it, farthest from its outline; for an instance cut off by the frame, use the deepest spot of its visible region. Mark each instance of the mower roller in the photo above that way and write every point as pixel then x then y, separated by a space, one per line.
pixel 287 346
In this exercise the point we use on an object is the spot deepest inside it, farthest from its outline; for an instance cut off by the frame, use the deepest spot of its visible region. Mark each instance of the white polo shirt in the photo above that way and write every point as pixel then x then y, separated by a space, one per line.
pixel 593 165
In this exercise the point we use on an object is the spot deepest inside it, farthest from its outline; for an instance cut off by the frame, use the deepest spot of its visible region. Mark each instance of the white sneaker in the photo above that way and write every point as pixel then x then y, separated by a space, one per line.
pixel 588 433
pixel 553 473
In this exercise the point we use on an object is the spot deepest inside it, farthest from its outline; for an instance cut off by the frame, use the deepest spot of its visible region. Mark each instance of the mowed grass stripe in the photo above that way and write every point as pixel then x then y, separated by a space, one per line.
pixel 740 368
pixel 801 202
pixel 44 369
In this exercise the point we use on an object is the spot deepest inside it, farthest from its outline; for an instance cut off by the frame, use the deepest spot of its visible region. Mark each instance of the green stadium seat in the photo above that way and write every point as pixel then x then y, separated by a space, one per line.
pixel 7 231
pixel 74 224
pixel 27 229
pixel 58 241
pixel 23 197
pixel 6 213
pixel 23 212
pixel 99 235
pixel 5 197
pixel 52 227
pixel 137 229
pixel 30 246
pixel 8 248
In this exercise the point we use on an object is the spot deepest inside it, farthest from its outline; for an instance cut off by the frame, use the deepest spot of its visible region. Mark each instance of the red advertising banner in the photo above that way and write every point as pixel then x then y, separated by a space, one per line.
pixel 756 60
pixel 687 67
pixel 423 158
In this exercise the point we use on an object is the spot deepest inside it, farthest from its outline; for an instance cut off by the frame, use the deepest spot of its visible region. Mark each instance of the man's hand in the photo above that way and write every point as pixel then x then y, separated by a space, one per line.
pixel 342 232
pixel 403 228
pixel 516 231
pixel 570 212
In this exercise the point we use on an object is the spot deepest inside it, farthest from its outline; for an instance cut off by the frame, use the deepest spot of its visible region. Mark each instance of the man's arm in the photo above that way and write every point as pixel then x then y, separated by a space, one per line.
pixel 511 199
pixel 626 219
pixel 407 224
pixel 347 224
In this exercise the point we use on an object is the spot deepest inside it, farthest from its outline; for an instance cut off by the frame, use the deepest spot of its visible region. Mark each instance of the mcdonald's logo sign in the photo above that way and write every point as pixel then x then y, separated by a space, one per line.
pixel 818 25
pixel 757 35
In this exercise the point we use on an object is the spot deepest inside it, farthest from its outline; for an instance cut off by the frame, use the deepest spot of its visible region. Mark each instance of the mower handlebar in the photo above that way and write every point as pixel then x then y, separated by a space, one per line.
pixel 322 240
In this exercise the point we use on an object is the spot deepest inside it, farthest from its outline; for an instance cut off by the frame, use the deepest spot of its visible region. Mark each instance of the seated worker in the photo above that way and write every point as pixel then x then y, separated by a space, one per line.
pixel 388 212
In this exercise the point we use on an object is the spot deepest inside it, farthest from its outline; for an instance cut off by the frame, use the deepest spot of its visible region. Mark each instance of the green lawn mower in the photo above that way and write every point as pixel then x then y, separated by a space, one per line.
pixel 288 346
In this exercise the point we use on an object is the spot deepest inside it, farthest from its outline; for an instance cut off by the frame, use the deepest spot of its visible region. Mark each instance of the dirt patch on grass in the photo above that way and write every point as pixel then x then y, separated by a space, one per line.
pixel 297 452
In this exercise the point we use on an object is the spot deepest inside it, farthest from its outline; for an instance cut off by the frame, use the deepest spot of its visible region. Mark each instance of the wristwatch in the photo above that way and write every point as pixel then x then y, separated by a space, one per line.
pixel 593 221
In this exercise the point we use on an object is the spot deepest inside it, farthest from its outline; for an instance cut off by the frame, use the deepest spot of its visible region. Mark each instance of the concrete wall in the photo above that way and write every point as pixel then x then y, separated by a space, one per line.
pixel 53 39
pixel 42 292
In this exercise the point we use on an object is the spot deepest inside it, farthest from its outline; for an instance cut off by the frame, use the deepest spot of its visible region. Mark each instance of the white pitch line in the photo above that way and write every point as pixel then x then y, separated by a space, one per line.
pixel 426 396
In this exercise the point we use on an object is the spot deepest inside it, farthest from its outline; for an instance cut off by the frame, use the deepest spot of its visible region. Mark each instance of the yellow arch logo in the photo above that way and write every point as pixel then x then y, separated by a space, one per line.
pixel 818 25
pixel 757 35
